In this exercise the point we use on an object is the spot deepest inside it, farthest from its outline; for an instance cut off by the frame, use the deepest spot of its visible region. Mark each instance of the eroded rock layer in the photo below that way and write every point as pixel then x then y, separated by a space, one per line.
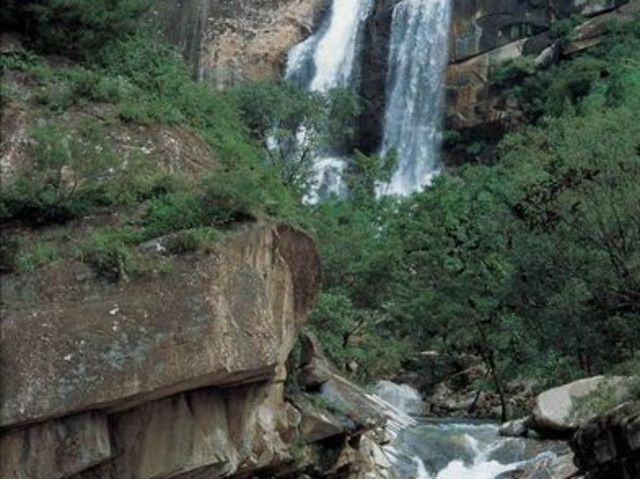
pixel 163 376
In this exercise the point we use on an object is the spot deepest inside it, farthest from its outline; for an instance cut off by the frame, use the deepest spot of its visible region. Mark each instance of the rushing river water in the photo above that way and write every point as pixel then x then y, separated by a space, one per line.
pixel 454 449
pixel 427 448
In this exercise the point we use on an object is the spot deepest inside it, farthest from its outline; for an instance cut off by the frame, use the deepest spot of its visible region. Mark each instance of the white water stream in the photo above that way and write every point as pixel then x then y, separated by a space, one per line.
pixel 454 449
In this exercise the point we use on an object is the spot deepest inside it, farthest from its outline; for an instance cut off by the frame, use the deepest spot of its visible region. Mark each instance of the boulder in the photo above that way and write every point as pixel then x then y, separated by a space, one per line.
pixel 515 428
pixel 372 461
pixel 609 446
pixel 317 423
pixel 315 369
pixel 561 410
pixel 221 319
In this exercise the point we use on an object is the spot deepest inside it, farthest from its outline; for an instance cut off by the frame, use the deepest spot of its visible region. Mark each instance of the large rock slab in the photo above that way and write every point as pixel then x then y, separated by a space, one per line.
pixel 208 433
pixel 563 409
pixel 221 319
pixel 56 449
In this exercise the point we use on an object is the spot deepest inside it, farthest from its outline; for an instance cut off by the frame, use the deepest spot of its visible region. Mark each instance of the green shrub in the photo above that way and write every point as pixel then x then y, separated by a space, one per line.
pixel 174 212
pixel 514 70
pixel 36 256
pixel 111 253
pixel 21 60
pixel 192 240
pixel 563 29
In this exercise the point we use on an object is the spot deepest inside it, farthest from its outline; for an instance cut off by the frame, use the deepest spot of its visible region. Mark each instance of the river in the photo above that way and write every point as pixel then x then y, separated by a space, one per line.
pixel 436 448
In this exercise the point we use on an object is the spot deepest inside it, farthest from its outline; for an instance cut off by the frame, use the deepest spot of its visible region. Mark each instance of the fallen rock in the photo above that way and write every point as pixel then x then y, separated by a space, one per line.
pixel 515 428
pixel 562 410
pixel 317 423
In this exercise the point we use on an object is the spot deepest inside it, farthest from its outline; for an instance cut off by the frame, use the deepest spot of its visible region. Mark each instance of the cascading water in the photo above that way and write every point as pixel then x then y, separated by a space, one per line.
pixel 328 59
pixel 454 449
pixel 325 61
pixel 466 450
pixel 415 92
pixel 401 396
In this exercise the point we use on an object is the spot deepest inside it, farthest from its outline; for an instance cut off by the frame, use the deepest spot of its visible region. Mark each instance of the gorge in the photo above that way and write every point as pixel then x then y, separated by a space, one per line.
pixel 179 301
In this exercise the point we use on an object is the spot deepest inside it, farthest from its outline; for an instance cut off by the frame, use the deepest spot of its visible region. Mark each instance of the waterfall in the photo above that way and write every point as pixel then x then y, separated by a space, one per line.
pixel 327 60
pixel 401 396
pixel 415 92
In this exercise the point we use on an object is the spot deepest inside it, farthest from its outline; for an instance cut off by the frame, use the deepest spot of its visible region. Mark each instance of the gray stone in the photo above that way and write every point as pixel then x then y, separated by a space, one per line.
pixel 221 319
pixel 515 428
pixel 563 409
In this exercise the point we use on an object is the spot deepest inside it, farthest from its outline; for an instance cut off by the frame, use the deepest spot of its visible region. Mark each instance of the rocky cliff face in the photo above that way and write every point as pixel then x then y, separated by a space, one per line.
pixel 487 33
pixel 175 375
pixel 228 42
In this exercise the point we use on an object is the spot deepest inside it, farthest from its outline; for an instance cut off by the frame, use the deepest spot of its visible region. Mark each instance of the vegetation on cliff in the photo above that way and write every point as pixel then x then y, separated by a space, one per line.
pixel 531 260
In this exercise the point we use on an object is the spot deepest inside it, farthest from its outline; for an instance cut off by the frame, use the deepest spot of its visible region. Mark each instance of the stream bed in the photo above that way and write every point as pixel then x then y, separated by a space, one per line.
pixel 468 449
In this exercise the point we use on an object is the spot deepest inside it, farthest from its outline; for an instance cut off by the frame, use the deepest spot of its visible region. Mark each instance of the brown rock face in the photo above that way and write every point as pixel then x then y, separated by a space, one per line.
pixel 488 33
pixel 229 41
pixel 185 367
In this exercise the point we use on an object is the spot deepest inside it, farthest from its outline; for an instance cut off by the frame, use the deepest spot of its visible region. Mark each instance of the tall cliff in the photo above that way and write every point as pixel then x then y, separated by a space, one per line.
pixel 230 42
pixel 227 42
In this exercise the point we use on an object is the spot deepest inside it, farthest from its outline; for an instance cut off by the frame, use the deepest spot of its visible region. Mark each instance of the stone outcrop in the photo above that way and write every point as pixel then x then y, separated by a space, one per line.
pixel 609 446
pixel 227 42
pixel 562 410
pixel 488 33
pixel 480 26
pixel 180 374
pixel 174 374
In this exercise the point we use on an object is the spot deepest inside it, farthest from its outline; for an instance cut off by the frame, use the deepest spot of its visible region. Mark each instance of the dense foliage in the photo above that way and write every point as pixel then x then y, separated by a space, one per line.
pixel 532 262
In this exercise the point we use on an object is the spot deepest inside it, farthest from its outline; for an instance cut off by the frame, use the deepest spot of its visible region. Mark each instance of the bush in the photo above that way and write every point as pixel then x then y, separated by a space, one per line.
pixel 36 256
pixel 188 241
pixel 514 70
pixel 174 212
pixel 110 252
